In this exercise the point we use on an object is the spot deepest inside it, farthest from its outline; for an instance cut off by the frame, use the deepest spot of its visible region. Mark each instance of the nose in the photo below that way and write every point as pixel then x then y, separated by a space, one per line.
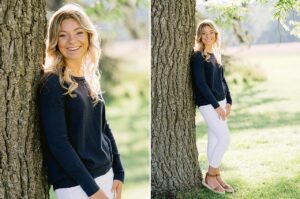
pixel 71 38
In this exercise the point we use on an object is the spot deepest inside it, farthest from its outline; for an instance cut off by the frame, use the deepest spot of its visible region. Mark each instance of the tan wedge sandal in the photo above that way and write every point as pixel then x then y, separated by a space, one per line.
pixel 213 189
pixel 226 187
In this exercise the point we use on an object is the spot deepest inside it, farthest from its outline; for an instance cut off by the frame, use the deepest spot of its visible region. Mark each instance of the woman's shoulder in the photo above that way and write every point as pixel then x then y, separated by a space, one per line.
pixel 49 81
pixel 197 54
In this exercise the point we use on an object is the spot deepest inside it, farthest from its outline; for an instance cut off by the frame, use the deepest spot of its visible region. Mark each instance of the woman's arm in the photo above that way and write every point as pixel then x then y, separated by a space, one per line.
pixel 199 78
pixel 228 96
pixel 52 116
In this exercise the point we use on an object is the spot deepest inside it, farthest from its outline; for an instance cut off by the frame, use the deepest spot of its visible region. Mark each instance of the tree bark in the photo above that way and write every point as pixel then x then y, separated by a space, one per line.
pixel 22 33
pixel 174 160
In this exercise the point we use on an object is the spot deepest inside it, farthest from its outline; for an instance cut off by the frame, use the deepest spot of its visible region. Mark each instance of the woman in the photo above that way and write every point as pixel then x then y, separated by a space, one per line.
pixel 213 99
pixel 80 150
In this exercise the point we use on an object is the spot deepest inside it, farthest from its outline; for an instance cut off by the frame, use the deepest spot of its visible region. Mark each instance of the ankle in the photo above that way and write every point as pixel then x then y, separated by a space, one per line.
pixel 210 175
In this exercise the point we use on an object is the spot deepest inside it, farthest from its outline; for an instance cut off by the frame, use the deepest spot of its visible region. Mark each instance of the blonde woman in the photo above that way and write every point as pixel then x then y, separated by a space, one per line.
pixel 213 98
pixel 80 151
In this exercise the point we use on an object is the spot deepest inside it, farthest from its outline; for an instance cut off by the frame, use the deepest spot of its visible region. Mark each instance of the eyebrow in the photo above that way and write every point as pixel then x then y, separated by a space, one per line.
pixel 73 30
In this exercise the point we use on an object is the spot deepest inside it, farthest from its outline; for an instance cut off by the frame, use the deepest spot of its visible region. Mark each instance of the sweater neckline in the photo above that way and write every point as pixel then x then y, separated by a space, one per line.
pixel 78 78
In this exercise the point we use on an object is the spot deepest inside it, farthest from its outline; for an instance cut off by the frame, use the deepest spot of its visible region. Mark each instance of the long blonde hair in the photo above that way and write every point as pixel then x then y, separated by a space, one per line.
pixel 199 45
pixel 55 62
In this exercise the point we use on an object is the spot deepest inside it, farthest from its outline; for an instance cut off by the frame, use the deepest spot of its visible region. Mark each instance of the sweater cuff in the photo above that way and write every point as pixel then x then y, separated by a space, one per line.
pixel 215 105
pixel 119 176
pixel 118 170
pixel 89 185
pixel 229 101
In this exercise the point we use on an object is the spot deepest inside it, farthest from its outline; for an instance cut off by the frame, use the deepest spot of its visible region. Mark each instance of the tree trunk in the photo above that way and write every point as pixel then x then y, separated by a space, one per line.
pixel 22 33
pixel 174 163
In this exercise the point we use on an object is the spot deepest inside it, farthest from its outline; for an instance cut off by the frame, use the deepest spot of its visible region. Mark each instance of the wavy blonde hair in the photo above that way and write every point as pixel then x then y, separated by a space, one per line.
pixel 55 62
pixel 199 45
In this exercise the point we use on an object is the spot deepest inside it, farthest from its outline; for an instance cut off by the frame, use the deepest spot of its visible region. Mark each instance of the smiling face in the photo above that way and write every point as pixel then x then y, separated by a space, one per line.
pixel 208 36
pixel 73 40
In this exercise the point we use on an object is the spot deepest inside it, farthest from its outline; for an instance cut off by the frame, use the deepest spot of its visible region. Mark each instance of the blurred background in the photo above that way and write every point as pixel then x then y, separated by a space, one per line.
pixel 123 26
pixel 261 56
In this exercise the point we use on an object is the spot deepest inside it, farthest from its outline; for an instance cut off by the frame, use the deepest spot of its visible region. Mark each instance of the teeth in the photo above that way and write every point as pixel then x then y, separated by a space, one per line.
pixel 75 48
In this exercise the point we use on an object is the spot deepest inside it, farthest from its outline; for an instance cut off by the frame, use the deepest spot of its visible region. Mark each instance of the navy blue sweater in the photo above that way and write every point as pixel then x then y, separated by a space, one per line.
pixel 79 145
pixel 209 83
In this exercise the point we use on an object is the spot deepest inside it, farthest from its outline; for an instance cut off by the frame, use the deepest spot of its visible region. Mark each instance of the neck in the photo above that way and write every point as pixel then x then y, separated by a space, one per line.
pixel 208 49
pixel 75 67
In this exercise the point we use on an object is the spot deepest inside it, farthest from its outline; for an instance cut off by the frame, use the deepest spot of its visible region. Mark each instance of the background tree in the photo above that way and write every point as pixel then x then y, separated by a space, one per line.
pixel 235 18
pixel 174 159
pixel 22 33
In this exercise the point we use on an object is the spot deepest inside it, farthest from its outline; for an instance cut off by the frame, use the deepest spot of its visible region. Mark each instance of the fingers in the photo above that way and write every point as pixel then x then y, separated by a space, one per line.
pixel 117 189
pixel 114 187
pixel 228 109
pixel 221 113
pixel 118 193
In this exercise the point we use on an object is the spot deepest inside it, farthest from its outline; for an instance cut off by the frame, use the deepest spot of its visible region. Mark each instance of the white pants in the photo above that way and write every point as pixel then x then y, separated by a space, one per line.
pixel 218 134
pixel 105 183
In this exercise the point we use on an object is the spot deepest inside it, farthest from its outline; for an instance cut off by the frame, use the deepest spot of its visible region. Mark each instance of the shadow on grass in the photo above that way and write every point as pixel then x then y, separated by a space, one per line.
pixel 242 119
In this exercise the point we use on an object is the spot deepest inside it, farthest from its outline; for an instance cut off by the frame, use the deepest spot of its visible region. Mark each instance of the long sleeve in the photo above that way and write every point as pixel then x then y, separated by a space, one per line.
pixel 119 173
pixel 200 80
pixel 53 121
pixel 228 96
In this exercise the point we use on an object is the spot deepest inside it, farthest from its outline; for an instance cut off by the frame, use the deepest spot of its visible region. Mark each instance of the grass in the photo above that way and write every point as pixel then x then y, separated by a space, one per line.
pixel 263 158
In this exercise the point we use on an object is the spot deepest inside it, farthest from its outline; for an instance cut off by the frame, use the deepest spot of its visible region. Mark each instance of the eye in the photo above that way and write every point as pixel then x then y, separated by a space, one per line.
pixel 62 35
pixel 80 33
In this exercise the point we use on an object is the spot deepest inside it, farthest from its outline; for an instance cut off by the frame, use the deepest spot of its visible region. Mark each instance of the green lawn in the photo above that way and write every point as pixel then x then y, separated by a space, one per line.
pixel 263 159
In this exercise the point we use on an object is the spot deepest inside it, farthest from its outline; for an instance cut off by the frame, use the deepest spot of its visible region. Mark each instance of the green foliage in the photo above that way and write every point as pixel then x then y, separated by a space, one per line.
pixel 242 73
pixel 225 14
pixel 281 11
pixel 232 13
pixel 112 10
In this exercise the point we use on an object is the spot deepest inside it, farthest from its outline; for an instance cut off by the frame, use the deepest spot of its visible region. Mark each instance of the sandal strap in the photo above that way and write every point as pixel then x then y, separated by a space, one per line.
pixel 217 188
pixel 211 175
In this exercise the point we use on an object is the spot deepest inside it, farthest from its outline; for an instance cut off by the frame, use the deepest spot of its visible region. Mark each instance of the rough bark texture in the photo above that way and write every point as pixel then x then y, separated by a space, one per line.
pixel 174 153
pixel 22 33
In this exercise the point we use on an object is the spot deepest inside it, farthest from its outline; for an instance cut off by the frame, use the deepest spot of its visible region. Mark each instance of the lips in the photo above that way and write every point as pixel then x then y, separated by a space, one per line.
pixel 73 48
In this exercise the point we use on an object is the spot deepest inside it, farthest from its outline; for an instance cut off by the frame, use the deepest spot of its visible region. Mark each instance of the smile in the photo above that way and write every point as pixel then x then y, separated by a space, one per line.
pixel 73 48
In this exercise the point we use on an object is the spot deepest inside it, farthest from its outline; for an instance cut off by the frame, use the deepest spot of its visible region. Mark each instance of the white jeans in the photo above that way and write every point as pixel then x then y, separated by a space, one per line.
pixel 218 134
pixel 105 183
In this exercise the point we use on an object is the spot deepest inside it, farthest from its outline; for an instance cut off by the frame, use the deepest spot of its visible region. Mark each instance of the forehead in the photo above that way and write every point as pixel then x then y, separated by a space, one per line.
pixel 207 28
pixel 69 25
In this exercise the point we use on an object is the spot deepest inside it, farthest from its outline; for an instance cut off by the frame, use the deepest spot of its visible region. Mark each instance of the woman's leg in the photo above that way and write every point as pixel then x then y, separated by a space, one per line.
pixel 71 193
pixel 218 142
pixel 211 144
pixel 104 182
pixel 218 129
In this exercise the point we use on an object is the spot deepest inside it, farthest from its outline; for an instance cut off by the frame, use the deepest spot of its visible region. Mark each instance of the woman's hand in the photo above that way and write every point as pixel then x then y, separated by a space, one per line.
pixel 228 109
pixel 117 189
pixel 221 113
pixel 99 195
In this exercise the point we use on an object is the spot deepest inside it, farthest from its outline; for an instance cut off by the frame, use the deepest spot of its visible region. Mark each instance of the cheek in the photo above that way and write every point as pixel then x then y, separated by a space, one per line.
pixel 60 44
pixel 85 41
